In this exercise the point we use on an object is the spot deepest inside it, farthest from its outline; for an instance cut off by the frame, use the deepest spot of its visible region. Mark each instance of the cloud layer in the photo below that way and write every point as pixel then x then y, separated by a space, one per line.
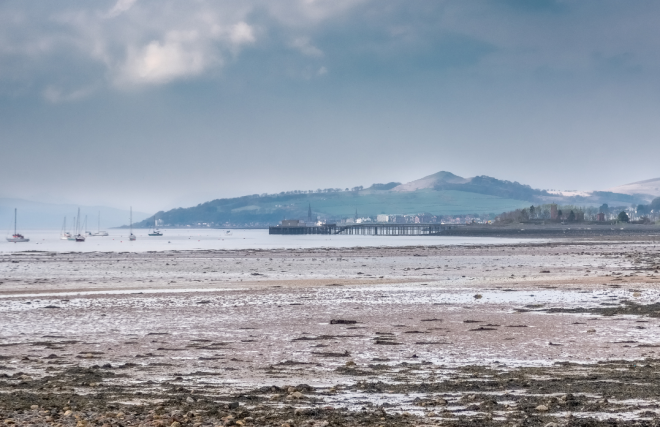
pixel 236 91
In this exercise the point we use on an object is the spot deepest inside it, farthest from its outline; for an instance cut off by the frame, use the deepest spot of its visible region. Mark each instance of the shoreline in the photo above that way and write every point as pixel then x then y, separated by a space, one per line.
pixel 416 335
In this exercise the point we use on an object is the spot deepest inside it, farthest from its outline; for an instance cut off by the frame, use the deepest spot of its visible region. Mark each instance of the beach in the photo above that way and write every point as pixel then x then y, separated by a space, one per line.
pixel 527 333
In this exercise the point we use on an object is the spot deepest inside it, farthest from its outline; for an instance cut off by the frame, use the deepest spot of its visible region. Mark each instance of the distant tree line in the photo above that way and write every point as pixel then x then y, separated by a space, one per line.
pixel 571 213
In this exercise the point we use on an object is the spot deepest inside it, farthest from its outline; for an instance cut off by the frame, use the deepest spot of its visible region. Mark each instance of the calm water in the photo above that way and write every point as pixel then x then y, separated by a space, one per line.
pixel 192 239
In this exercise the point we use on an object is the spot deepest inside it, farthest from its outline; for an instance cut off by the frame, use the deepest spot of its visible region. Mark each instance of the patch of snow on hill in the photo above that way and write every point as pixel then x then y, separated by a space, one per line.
pixel 650 186
pixel 570 193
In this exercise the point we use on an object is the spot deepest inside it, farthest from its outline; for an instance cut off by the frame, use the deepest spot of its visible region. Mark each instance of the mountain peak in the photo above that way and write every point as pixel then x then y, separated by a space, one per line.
pixel 431 181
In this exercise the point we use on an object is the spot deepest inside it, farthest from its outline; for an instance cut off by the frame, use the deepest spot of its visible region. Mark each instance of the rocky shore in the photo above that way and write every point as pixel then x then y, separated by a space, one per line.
pixel 558 333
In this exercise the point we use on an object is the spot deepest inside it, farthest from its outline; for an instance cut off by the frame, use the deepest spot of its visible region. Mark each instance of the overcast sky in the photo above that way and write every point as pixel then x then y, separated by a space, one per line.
pixel 164 103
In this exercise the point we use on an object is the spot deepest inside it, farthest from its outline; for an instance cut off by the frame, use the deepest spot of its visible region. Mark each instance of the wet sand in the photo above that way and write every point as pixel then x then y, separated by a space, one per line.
pixel 528 334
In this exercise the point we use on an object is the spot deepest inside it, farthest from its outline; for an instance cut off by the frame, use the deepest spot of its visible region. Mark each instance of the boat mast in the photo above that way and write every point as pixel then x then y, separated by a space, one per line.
pixel 131 219
pixel 15 220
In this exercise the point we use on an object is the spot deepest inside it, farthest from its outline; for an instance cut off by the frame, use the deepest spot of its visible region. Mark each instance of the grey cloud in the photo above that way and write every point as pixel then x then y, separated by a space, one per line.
pixel 157 101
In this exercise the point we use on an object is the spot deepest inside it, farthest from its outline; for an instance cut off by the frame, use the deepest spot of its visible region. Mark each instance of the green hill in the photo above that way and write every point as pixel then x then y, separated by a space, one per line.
pixel 440 194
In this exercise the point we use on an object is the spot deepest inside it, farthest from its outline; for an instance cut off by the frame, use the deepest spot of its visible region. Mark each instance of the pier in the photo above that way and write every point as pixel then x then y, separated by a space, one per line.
pixel 366 229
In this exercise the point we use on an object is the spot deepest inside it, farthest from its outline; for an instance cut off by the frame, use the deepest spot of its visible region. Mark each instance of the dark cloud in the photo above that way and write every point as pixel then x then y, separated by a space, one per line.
pixel 156 103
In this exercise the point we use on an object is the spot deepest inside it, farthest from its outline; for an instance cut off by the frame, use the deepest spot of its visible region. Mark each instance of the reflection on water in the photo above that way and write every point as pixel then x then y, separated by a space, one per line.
pixel 213 239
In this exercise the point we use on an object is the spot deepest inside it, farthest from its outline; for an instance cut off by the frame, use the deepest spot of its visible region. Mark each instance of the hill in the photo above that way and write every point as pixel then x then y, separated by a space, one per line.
pixel 440 194
pixel 650 187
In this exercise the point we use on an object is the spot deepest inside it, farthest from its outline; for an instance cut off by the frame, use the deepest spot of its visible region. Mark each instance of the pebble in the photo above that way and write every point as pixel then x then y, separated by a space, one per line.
pixel 175 424
pixel 190 399
pixel 542 408
pixel 297 395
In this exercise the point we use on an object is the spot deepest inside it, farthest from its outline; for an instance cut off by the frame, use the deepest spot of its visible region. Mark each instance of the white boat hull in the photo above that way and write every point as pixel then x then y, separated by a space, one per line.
pixel 101 233
pixel 16 240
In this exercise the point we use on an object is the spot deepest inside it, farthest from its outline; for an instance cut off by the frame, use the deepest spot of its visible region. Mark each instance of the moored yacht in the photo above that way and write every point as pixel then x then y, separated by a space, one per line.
pixel 155 231
pixel 131 237
pixel 78 236
pixel 64 235
pixel 16 237
pixel 99 232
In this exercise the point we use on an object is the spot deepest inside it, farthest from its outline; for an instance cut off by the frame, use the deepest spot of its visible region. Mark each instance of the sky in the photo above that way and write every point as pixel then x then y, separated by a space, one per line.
pixel 165 103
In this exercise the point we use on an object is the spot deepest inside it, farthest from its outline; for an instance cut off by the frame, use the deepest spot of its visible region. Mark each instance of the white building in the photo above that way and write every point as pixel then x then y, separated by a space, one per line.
pixel 382 218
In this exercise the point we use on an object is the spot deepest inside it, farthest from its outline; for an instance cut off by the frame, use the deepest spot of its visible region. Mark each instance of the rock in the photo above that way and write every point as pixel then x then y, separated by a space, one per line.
pixel 297 395
pixel 175 424
pixel 552 425
pixel 68 413
pixel 342 322
pixel 350 363
pixel 441 402
pixel 190 399
pixel 478 296
pixel 233 405
pixel 34 407
pixel 541 408
pixel 291 389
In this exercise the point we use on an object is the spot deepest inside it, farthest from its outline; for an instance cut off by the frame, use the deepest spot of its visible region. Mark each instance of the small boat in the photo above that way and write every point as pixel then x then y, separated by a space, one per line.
pixel 131 237
pixel 155 231
pixel 16 237
pixel 64 235
pixel 78 236
pixel 98 230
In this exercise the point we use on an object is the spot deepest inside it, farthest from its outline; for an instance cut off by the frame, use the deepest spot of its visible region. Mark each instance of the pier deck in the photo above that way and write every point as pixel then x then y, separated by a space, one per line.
pixel 368 229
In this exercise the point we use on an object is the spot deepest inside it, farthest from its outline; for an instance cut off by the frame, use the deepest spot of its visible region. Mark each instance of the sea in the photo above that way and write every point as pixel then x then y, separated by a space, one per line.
pixel 222 239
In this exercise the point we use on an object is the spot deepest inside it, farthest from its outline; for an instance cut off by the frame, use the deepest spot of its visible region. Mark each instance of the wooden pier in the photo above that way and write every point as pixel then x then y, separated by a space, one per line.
pixel 367 229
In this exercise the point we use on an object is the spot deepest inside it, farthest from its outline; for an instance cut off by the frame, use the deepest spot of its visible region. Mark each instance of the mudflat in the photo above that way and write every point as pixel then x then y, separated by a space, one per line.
pixel 563 332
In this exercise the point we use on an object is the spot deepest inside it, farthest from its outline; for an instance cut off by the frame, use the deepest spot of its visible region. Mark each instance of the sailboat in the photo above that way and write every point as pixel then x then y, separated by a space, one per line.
pixel 132 236
pixel 78 236
pixel 155 231
pixel 99 232
pixel 72 236
pixel 64 235
pixel 16 238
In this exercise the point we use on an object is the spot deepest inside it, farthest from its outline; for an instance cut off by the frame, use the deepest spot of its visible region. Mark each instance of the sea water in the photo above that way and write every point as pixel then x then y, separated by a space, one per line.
pixel 219 239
